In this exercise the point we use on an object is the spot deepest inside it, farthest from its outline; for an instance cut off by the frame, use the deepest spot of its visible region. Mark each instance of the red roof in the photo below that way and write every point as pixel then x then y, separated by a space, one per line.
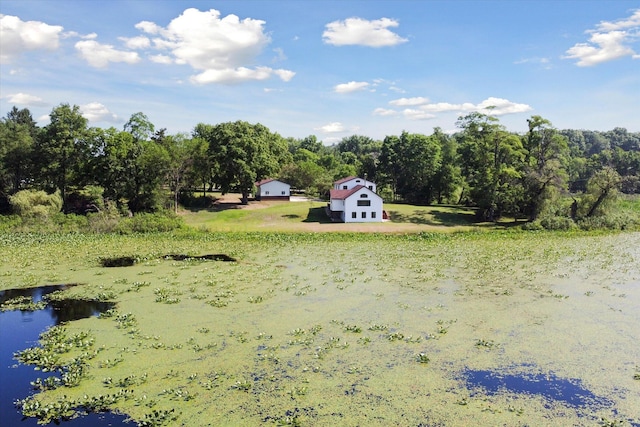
pixel 349 178
pixel 344 194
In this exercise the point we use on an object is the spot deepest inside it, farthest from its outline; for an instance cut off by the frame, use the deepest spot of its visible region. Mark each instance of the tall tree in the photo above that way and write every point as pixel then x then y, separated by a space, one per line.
pixel 545 176
pixel 601 191
pixel 491 162
pixel 61 148
pixel 183 153
pixel 410 162
pixel 17 133
pixel 243 154
pixel 447 179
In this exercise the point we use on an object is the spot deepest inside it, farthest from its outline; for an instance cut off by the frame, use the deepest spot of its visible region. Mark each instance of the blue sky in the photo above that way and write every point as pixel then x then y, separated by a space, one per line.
pixel 325 68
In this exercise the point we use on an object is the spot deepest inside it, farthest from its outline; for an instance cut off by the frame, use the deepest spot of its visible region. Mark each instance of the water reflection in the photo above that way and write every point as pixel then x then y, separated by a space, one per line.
pixel 20 329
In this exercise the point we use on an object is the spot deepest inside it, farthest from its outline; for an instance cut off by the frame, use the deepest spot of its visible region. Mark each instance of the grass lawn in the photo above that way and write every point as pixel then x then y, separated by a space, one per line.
pixel 309 216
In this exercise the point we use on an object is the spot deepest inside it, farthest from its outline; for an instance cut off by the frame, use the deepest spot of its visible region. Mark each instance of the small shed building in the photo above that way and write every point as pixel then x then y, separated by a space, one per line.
pixel 272 189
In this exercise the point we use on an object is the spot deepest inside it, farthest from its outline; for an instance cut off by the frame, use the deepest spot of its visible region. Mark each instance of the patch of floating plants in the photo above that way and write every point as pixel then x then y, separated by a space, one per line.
pixel 128 261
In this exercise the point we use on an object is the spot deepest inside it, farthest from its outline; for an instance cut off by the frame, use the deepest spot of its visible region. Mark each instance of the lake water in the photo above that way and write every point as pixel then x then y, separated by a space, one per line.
pixel 19 330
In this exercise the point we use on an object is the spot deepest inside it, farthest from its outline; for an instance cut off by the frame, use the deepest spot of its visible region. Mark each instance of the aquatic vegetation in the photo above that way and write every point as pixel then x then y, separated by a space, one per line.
pixel 22 303
pixel 256 336
pixel 422 358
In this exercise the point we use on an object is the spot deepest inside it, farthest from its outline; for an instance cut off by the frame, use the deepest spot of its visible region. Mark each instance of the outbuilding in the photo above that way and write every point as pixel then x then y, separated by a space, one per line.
pixel 272 189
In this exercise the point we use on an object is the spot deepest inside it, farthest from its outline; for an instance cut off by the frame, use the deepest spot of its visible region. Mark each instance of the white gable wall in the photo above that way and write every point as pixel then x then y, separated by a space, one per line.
pixel 274 189
pixel 348 185
pixel 371 213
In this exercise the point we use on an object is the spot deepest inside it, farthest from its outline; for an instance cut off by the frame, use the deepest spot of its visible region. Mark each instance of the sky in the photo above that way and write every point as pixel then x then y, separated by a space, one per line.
pixel 326 68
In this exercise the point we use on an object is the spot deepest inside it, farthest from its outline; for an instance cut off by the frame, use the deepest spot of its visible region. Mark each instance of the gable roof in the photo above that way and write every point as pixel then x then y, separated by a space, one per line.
pixel 268 180
pixel 349 178
pixel 345 194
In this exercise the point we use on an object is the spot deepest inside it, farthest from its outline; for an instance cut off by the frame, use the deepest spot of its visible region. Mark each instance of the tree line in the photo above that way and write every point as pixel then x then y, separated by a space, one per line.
pixel 541 173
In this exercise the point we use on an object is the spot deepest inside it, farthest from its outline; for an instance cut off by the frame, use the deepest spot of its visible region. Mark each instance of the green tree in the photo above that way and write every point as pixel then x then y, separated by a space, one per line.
pixel 183 153
pixel 545 176
pixel 243 153
pixel 61 151
pixel 491 163
pixel 447 179
pixel 410 162
pixel 601 193
pixel 17 132
pixel 112 163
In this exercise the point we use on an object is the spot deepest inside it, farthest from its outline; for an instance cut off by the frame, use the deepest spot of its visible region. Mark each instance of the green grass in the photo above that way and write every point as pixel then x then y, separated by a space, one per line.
pixel 310 216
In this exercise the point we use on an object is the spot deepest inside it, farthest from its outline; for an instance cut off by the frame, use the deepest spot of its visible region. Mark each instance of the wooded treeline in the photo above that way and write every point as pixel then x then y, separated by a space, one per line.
pixel 542 173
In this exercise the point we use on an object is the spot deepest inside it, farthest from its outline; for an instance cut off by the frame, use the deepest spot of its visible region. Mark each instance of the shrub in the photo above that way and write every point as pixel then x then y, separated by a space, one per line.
pixel 35 204
pixel 557 223
pixel 150 223
pixel 10 222
pixel 105 221
pixel 608 222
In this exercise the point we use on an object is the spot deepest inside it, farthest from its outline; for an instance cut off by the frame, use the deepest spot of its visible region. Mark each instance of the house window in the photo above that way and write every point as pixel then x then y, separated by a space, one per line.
pixel 364 195
pixel 353 215
pixel 364 202
pixel 284 193
pixel 373 214
pixel 371 187
pixel 266 193
pixel 364 214
pixel 344 187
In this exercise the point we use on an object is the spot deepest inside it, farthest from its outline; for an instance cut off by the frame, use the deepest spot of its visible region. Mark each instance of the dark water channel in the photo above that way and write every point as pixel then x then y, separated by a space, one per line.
pixel 19 330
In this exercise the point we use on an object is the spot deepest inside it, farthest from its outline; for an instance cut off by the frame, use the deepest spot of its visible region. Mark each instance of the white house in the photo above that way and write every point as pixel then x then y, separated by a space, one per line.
pixel 352 181
pixel 357 204
pixel 272 189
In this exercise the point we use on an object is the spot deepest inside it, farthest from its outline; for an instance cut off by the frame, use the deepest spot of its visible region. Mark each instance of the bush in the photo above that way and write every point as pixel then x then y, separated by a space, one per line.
pixel 35 204
pixel 150 223
pixel 556 223
pixel 10 222
pixel 608 222
pixel 68 223
pixel 105 221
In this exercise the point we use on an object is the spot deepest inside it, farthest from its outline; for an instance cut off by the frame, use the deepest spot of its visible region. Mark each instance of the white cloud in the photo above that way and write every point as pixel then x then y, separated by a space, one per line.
pixel 99 55
pixel 384 112
pixel 632 22
pixel 499 107
pixel 609 41
pixel 424 110
pixel 17 37
pixel 96 112
pixel 350 87
pixel 161 59
pixel 25 99
pixel 358 31
pixel 333 127
pixel 441 107
pixel 222 49
pixel 402 102
pixel 140 42
pixel 413 114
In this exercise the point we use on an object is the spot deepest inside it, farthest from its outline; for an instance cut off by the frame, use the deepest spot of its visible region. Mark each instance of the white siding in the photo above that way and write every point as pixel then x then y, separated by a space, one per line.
pixel 274 189
pixel 337 205
pixel 363 213
pixel 348 185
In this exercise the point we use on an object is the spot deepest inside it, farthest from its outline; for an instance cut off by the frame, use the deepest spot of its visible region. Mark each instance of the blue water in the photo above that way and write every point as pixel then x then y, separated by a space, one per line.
pixel 569 391
pixel 20 330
